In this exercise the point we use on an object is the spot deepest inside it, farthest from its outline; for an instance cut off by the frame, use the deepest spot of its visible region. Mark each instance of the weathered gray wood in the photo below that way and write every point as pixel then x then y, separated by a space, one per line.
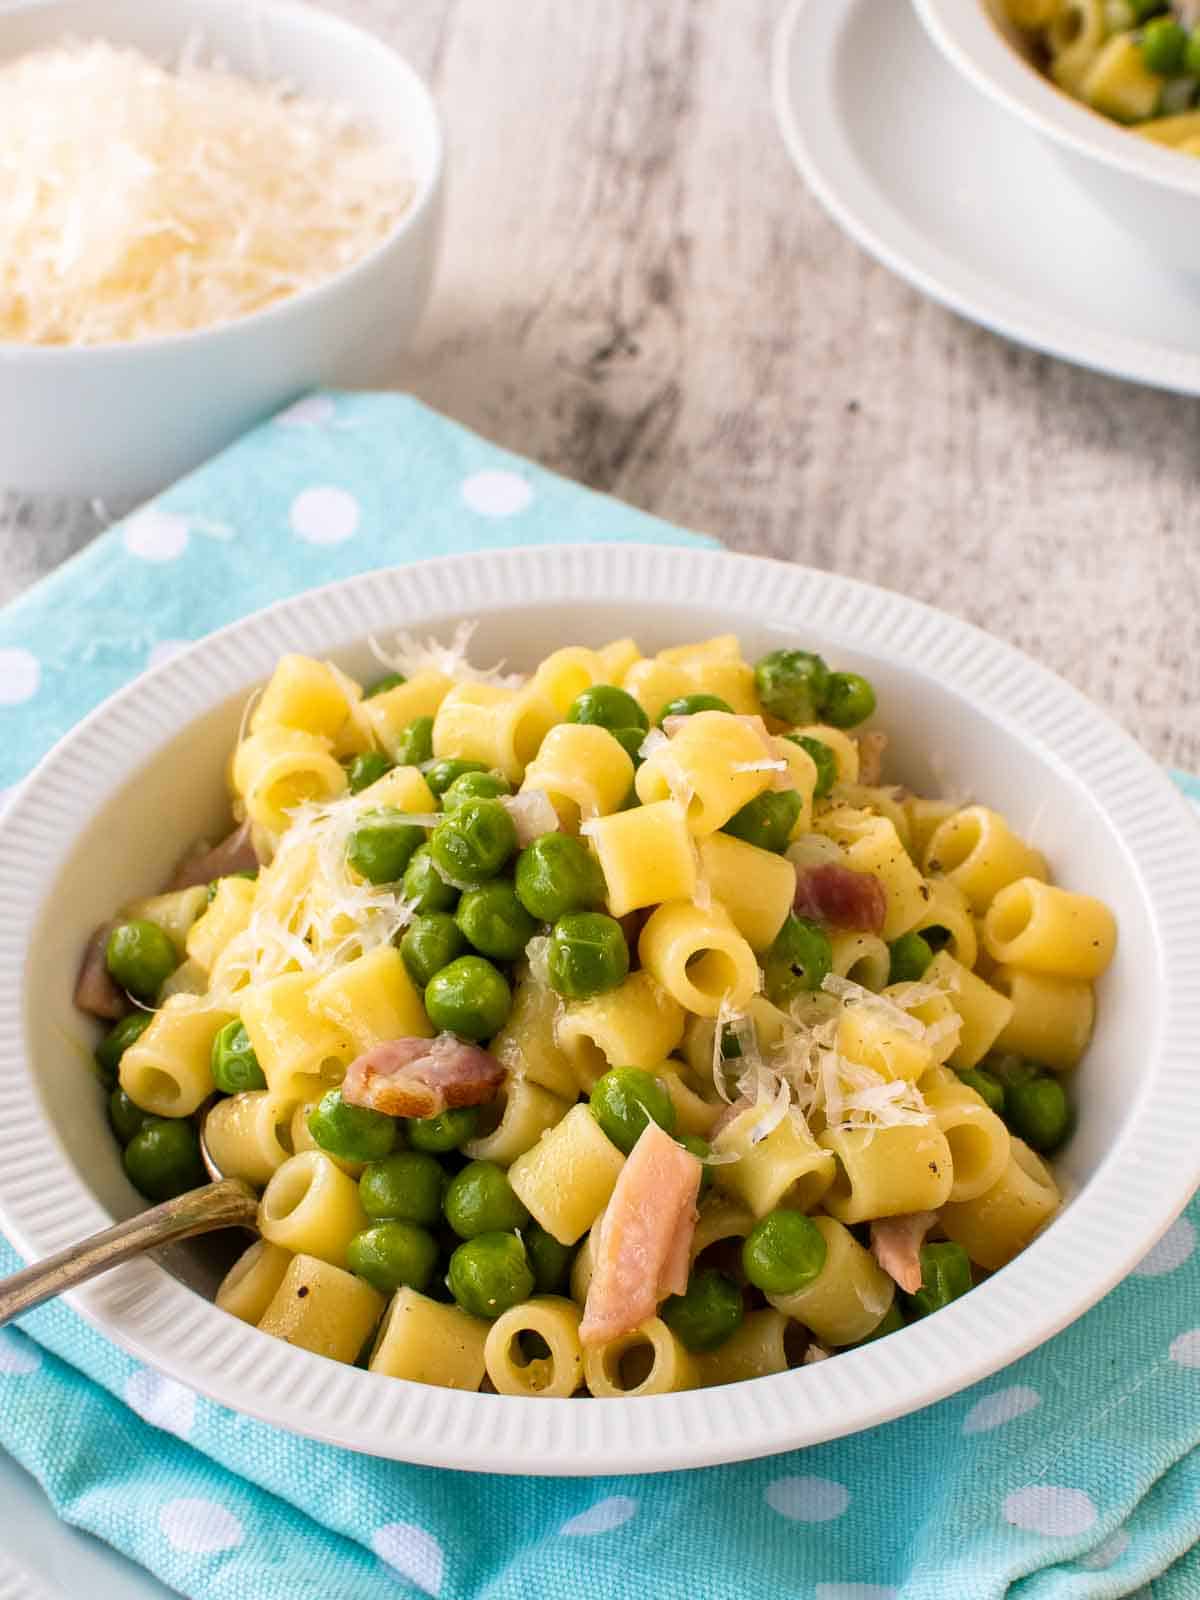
pixel 638 291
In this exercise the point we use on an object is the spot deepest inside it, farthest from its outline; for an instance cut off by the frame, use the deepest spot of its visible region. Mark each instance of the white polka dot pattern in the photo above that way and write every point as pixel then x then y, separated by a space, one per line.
pixel 1172 1250
pixel 199 1527
pixel 324 515
pixel 807 1499
pixel 497 494
pixel 19 1356
pixel 1051 1509
pixel 155 535
pixel 996 1409
pixel 1185 1351
pixel 412 1552
pixel 1108 1552
pixel 20 675
pixel 161 1401
pixel 603 1517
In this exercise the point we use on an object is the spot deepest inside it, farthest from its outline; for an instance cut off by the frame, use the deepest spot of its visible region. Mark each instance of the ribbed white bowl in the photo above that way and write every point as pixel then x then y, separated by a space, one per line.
pixel 1147 189
pixel 108 811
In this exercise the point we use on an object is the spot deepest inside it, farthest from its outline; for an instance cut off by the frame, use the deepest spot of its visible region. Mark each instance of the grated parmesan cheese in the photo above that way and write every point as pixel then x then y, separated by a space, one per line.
pixel 136 202
pixel 411 655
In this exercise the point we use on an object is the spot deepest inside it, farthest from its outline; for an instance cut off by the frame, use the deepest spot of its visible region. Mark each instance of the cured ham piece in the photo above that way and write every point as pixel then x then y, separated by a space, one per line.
pixel 235 853
pixel 422 1077
pixel 896 1245
pixel 841 897
pixel 642 1243
pixel 95 991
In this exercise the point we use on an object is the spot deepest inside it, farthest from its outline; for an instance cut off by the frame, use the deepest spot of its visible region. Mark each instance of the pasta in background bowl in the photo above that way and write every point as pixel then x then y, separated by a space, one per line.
pixel 975 722
pixel 1147 187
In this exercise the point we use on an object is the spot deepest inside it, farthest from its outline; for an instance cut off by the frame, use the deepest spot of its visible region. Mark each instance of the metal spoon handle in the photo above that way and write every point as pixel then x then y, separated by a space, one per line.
pixel 227 1204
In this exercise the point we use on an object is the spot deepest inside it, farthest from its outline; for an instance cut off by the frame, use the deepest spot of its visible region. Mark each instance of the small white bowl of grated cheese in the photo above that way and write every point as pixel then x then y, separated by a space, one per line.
pixel 208 208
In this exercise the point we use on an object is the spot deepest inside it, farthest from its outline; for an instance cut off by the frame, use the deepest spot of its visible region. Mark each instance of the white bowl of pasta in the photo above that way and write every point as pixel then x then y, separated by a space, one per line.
pixel 700 1146
pixel 1073 72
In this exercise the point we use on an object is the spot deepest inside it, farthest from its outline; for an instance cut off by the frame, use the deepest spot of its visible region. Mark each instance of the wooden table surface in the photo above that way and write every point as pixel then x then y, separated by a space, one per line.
pixel 638 291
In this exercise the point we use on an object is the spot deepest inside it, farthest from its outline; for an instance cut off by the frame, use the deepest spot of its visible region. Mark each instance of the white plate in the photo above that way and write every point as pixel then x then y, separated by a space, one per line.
pixel 110 809
pixel 964 202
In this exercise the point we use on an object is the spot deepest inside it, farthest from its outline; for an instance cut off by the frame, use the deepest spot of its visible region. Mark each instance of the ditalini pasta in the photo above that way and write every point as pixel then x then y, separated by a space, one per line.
pixel 1136 61
pixel 617 1030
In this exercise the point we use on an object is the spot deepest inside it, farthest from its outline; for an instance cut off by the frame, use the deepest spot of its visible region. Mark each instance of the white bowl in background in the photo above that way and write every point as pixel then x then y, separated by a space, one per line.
pixel 108 812
pixel 121 421
pixel 1150 191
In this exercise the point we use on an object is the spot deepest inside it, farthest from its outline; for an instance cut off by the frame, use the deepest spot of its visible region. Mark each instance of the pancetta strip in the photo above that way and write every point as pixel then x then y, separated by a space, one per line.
pixel 841 897
pixel 95 991
pixel 235 853
pixel 642 1243
pixel 422 1077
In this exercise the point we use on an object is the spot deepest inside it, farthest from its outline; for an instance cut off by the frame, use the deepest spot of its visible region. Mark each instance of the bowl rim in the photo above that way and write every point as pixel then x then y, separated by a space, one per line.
pixel 969 38
pixel 1141 1185
pixel 297 14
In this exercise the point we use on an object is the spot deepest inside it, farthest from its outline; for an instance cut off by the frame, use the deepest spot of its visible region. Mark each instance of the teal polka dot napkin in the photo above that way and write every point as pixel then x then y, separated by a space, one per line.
pixel 1073 1475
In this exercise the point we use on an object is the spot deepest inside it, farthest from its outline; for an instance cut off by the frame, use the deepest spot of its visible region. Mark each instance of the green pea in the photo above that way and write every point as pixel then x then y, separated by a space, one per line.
pixel 140 957
pixel 445 1132
pixel 495 922
pixel 631 741
pixel 791 684
pixel 799 961
pixel 352 1133
pixel 163 1159
pixel 475 786
pixel 701 1149
pixel 767 820
pixel 910 955
pixel 117 1040
pixel 480 1199
pixel 473 843
pixel 393 1255
pixel 557 874
pixel 125 1117
pixel 234 1064
pixel 414 747
pixel 405 1187
pixel 986 1085
pixel 423 886
pixel 687 705
pixel 365 769
pixel 709 1312
pixel 823 759
pixel 1164 46
pixel 625 1099
pixel 588 955
pixel 430 942
pixel 443 773
pixel 390 680
pixel 550 1261
pixel 382 844
pixel 784 1252
pixel 945 1274
pixel 469 998
pixel 489 1274
pixel 1038 1112
pixel 608 707
pixel 849 700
